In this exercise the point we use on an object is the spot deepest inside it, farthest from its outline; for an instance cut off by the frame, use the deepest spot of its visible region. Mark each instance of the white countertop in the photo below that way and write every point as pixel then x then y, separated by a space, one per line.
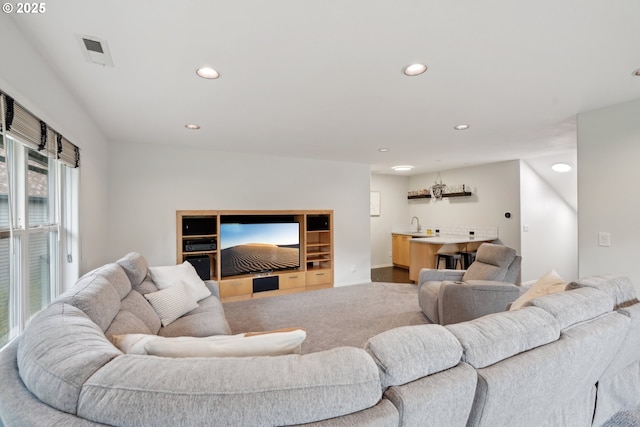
pixel 444 239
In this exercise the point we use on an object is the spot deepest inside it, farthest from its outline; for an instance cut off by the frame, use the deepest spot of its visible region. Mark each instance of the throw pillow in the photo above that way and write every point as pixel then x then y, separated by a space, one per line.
pixel 269 343
pixel 172 302
pixel 276 343
pixel 550 283
pixel 170 275
pixel 132 343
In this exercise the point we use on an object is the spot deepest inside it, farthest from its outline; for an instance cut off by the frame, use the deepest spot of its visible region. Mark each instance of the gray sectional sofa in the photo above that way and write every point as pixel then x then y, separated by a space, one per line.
pixel 568 359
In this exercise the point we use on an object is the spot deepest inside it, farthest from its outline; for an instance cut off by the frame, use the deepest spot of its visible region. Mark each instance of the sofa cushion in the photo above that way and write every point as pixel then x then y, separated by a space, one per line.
pixel 214 287
pixel 619 385
pixel 482 271
pixel 135 266
pixel 534 387
pixel 382 415
pixel 136 315
pixel 171 275
pixel 630 350
pixel 126 323
pixel 172 302
pixel 147 286
pixel 572 307
pixel 428 295
pixel 441 399
pixel 495 337
pixel 108 284
pixel 59 350
pixel 258 391
pixel 407 353
pixel 139 306
pixel 619 287
pixel 492 262
pixel 549 283
pixel 206 320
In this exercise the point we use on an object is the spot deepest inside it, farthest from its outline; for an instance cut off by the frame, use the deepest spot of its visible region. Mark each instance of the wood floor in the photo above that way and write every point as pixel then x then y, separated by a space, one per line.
pixel 390 274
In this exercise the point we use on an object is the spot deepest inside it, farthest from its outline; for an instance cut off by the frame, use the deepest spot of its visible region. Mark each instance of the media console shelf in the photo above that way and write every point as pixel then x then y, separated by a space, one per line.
pixel 198 234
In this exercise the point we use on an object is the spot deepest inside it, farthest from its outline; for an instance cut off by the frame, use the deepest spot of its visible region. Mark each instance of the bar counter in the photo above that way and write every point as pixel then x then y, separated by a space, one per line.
pixel 423 250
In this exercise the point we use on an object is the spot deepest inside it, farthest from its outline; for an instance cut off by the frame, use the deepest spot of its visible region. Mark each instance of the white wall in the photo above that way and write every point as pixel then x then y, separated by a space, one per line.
pixel 552 237
pixel 394 211
pixel 608 190
pixel 149 183
pixel 131 204
pixel 495 188
pixel 26 77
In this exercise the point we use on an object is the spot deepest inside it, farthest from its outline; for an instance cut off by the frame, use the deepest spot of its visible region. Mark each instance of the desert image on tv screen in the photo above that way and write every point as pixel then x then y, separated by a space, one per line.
pixel 251 248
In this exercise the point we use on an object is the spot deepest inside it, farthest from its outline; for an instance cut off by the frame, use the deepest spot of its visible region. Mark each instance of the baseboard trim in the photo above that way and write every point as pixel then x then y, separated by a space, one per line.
pixel 382 266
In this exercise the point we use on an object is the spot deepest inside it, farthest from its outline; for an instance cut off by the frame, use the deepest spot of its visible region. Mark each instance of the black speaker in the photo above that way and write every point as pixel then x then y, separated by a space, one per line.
pixel 202 264
pixel 268 283
pixel 315 223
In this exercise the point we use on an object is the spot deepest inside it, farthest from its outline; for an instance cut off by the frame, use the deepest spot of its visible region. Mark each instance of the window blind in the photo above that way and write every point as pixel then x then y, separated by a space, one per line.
pixel 68 153
pixel 49 145
pixel 20 124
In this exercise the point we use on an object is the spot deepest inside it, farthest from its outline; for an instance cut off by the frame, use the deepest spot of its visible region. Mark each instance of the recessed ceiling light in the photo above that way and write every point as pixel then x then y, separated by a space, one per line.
pixel 561 167
pixel 383 150
pixel 401 168
pixel 461 127
pixel 414 69
pixel 207 73
pixel 192 126
pixel 636 72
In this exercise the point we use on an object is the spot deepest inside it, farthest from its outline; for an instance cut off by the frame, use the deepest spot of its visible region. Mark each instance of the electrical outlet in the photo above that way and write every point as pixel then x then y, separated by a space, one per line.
pixel 604 238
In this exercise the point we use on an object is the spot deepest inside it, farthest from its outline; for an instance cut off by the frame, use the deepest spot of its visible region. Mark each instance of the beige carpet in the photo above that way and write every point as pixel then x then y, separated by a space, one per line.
pixel 342 316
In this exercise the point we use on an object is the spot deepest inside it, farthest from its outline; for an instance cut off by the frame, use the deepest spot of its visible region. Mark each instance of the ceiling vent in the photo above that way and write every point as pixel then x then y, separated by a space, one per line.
pixel 95 50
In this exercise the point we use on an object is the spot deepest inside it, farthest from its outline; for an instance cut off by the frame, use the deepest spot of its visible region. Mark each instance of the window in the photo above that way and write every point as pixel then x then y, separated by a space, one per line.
pixel 5 272
pixel 37 198
pixel 42 229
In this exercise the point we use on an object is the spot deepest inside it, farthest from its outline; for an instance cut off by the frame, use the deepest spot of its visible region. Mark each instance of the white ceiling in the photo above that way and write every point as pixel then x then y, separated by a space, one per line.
pixel 322 79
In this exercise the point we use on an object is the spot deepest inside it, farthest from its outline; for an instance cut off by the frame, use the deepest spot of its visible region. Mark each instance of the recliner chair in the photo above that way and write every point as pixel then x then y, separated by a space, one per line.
pixel 487 286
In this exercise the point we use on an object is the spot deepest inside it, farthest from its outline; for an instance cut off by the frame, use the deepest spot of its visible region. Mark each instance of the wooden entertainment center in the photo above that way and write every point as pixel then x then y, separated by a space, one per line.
pixel 198 240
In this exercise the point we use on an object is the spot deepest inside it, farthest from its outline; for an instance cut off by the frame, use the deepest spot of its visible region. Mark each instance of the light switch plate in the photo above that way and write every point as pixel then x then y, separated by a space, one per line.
pixel 604 238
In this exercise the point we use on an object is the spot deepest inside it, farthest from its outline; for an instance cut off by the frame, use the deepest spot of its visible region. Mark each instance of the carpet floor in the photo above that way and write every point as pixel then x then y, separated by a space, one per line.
pixel 335 317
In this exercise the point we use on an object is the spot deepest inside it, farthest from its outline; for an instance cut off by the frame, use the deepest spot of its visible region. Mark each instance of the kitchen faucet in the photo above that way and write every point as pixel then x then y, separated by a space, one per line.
pixel 416 218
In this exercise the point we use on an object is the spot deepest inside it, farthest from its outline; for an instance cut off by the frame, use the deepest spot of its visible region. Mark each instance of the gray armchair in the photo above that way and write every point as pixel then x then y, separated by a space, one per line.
pixel 487 286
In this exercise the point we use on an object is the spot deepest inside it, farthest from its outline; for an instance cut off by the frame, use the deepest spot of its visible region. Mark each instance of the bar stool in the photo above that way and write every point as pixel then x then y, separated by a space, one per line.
pixel 452 257
pixel 450 261
pixel 467 258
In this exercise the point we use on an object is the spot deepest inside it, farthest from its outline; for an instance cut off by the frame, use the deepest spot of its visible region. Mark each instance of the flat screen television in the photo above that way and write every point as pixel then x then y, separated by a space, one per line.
pixel 254 247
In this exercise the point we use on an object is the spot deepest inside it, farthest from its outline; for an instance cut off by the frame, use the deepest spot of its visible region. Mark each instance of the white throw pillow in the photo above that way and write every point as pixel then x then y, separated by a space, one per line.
pixel 241 345
pixel 172 302
pixel 132 343
pixel 550 283
pixel 270 343
pixel 170 275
